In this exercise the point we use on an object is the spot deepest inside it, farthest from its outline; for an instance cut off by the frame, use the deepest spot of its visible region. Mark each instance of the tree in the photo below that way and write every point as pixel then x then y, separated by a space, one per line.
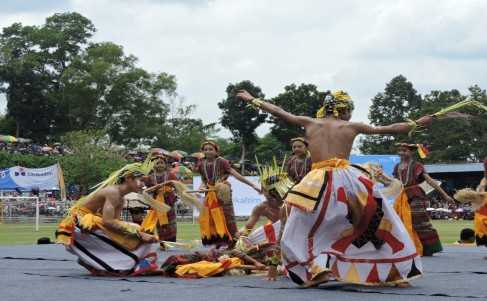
pixel 181 131
pixel 7 125
pixel 57 81
pixel 32 61
pixel 239 119
pixel 91 161
pixel 269 147
pixel 397 103
pixel 304 99
pixel 454 140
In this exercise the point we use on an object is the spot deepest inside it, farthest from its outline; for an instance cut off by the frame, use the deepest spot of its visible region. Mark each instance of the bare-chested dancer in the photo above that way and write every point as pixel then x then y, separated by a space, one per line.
pixel 94 232
pixel 338 224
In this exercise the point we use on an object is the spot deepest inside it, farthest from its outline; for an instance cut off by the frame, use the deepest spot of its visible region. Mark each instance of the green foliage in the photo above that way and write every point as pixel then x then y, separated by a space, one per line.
pixel 7 125
pixel 304 100
pixel 30 161
pixel 92 161
pixel 398 102
pixel 56 81
pixel 32 61
pixel 458 139
pixel 269 147
pixel 181 131
pixel 238 118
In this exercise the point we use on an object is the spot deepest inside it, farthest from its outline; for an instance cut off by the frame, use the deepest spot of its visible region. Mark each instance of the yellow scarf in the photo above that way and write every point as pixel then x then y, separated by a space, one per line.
pixel 205 269
pixel 154 217
pixel 212 218
pixel 402 208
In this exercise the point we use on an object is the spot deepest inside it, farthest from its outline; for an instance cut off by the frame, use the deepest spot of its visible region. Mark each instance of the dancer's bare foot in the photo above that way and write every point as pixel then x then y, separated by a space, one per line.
pixel 403 285
pixel 320 279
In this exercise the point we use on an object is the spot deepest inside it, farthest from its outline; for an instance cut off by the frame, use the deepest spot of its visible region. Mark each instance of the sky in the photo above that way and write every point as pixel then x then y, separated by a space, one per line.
pixel 355 45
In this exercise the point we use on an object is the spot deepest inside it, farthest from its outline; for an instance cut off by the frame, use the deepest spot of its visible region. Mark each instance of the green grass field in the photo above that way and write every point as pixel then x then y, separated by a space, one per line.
pixel 24 234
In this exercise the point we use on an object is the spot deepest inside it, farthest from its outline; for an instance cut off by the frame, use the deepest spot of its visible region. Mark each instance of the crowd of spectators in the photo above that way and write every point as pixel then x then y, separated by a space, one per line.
pixel 55 149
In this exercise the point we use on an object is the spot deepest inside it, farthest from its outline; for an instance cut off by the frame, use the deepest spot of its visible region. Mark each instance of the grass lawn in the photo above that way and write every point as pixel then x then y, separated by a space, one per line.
pixel 24 234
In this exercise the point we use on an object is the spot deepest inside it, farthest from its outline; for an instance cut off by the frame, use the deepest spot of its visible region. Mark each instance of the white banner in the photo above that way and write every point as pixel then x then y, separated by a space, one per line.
pixel 245 198
pixel 46 178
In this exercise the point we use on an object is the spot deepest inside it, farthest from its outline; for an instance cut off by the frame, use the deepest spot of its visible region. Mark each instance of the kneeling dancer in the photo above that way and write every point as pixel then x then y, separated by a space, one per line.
pixel 104 244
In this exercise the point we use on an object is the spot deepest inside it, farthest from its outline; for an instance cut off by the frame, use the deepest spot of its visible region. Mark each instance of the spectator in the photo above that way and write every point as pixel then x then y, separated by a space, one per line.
pixel 467 237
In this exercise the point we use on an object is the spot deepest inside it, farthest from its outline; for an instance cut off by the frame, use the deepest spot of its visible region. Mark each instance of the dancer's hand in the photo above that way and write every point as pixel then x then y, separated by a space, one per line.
pixel 244 95
pixel 147 238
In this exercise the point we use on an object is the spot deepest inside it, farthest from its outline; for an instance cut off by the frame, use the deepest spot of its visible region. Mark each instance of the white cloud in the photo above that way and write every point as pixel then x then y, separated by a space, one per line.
pixel 352 45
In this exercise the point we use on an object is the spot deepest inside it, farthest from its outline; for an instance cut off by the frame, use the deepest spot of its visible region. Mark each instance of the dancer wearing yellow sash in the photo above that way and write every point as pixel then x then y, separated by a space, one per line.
pixel 411 204
pixel 162 223
pixel 480 220
pixel 339 225
pixel 217 218
pixel 93 231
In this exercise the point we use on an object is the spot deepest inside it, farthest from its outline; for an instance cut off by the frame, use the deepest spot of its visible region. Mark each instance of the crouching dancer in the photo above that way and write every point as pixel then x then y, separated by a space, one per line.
pixel 104 244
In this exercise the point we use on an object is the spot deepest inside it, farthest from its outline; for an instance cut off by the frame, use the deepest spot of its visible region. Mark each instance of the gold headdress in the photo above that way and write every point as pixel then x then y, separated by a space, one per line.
pixel 334 102
pixel 212 143
pixel 156 154
pixel 273 177
pixel 301 139
pixel 423 152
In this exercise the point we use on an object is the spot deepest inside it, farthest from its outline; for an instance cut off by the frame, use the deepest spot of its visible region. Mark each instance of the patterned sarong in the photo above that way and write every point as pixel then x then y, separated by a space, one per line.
pixel 424 228
pixel 340 225
pixel 104 252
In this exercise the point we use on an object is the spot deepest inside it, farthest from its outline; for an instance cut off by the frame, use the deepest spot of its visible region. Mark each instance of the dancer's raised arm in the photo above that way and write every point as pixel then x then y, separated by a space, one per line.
pixel 273 109
pixel 395 128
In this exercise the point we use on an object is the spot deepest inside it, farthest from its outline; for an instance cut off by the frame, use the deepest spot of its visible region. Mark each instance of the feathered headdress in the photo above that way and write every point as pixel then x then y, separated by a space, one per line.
pixel 274 177
pixel 133 169
pixel 334 102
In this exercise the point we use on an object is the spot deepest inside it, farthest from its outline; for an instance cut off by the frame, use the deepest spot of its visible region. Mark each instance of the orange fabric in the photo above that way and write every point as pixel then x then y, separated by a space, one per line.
pixel 331 163
pixel 402 208
pixel 480 222
pixel 212 218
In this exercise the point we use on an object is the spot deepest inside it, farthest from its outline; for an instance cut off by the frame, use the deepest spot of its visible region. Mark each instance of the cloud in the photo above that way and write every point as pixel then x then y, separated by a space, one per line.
pixel 352 45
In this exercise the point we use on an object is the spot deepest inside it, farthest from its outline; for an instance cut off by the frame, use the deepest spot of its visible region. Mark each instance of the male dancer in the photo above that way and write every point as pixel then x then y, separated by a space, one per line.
pixel 339 226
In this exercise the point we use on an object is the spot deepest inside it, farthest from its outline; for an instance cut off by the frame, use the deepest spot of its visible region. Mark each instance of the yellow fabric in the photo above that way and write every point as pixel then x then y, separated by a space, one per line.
pixel 402 208
pixel 154 217
pixel 212 218
pixel 91 221
pixel 205 269
pixel 321 113
pixel 331 164
pixel 312 183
